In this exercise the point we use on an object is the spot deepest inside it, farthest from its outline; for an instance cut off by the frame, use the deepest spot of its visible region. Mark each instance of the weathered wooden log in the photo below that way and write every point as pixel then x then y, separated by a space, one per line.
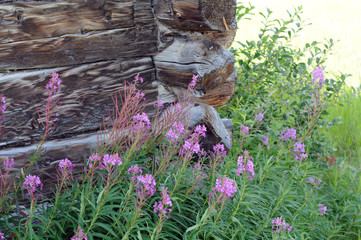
pixel 95 45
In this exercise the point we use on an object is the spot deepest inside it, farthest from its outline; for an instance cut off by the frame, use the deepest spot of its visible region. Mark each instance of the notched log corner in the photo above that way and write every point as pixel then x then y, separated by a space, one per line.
pixel 95 45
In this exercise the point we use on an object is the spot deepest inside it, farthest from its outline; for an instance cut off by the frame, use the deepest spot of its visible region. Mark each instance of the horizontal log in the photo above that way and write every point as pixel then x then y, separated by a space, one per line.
pixel 75 149
pixel 77 49
pixel 196 15
pixel 85 96
pixel 36 20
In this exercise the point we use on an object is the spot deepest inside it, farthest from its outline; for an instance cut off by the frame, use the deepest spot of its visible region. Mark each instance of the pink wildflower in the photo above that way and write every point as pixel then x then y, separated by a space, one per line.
pixel 94 158
pixel 322 209
pixel 140 94
pixel 288 134
pixel 219 150
pixel 9 163
pixel 2 236
pixel 145 186
pixel 137 78
pixel 318 74
pixel 299 151
pixel 265 140
pixel 3 101
pixel 249 167
pixel 225 187
pixel 241 166
pixel 260 117
pixel 175 132
pixel 159 104
pixel 193 83
pixel 53 86
pixel 191 145
pixel 133 170
pixel 66 163
pixel 65 167
pixel 163 206
pixel 141 121
pixel 280 225
pixel 244 130
pixel 112 160
pixel 79 235
pixel 32 182
pixel 198 166
pixel 200 130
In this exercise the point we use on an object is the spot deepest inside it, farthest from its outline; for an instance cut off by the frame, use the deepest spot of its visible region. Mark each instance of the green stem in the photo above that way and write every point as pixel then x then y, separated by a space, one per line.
pixel 56 202
pixel 240 199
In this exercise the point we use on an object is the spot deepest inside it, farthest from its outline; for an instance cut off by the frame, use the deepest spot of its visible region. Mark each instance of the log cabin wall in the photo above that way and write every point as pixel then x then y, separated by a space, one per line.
pixel 95 45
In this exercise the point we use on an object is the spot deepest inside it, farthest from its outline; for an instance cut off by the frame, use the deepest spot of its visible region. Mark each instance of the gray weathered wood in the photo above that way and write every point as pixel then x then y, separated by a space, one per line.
pixel 85 97
pixel 95 45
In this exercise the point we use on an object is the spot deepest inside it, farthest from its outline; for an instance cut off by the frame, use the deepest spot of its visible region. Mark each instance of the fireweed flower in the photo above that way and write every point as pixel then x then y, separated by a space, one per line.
pixel 225 188
pixel 322 209
pixel 133 170
pixel 244 130
pixel 145 186
pixel 175 132
pixel 200 130
pixel 9 163
pixel 313 181
pixel 65 167
pixel 245 167
pixel 260 117
pixel 299 151
pixel 53 86
pixel 163 206
pixel 2 236
pixel 198 166
pixel 191 145
pixel 32 182
pixel 288 134
pixel 159 104
pixel 193 83
pixel 280 225
pixel 241 166
pixel 140 94
pixel 318 74
pixel 94 158
pixel 137 78
pixel 2 104
pixel 112 160
pixel 79 235
pixel 265 141
pixel 141 121
pixel 219 150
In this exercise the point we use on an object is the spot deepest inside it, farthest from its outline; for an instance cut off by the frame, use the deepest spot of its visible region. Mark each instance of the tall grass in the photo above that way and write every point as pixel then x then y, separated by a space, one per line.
pixel 345 134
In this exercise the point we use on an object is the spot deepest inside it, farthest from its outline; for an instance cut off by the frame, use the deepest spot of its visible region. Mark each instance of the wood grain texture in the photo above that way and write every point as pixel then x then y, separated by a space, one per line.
pixel 76 149
pixel 76 49
pixel 95 45
pixel 87 35
pixel 196 15
pixel 37 20
pixel 213 64
pixel 85 97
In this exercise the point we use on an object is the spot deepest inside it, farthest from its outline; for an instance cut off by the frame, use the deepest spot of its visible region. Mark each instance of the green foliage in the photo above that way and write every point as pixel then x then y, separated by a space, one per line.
pixel 344 126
